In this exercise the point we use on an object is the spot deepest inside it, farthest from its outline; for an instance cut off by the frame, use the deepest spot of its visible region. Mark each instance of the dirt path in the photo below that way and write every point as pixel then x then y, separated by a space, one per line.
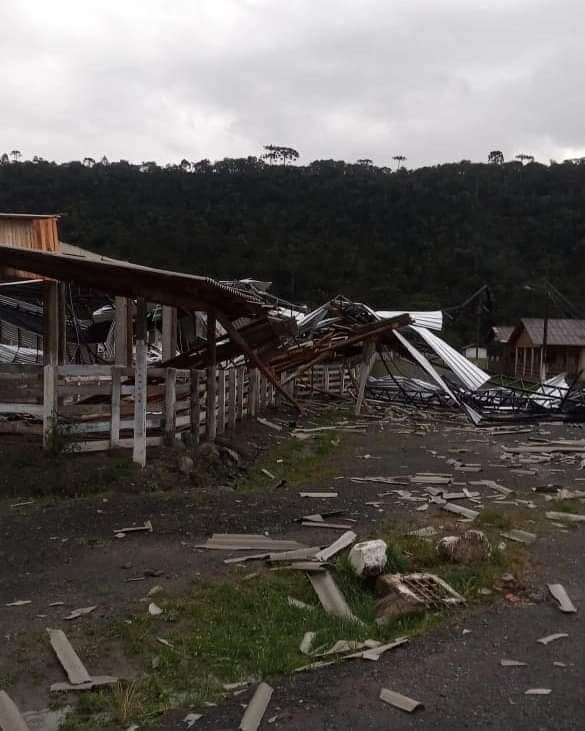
pixel 67 552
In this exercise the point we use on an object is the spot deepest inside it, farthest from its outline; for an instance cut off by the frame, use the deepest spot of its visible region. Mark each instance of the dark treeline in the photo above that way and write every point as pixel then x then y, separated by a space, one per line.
pixel 420 239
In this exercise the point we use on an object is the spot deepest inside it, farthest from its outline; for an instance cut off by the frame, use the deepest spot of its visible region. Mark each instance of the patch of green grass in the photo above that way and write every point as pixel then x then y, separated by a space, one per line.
pixel 299 462
pixel 490 517
pixel 567 506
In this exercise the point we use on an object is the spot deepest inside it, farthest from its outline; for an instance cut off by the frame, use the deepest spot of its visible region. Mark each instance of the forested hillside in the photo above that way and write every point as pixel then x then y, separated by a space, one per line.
pixel 421 238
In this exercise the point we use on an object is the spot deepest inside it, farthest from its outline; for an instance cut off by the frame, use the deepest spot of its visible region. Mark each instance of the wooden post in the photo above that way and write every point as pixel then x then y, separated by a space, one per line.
pixel 140 380
pixel 221 401
pixel 211 375
pixel 129 331
pixel 231 398
pixel 115 424
pixel 170 406
pixel 169 332
pixel 49 404
pixel 62 322
pixel 368 362
pixel 51 331
pixel 532 361
pixel 195 405
pixel 240 394
pixel 252 392
pixel 261 393
pixel 121 331
pixel 516 362
pixel 524 361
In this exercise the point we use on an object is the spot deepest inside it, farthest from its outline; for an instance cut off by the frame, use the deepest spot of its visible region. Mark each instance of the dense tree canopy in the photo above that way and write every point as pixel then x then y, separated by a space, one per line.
pixel 421 238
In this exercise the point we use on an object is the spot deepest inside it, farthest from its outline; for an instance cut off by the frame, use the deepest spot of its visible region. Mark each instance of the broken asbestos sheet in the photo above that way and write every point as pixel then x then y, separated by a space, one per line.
pixel 256 709
pixel 399 701
pixel 248 542
pixel 10 718
pixel 330 596
pixel 564 602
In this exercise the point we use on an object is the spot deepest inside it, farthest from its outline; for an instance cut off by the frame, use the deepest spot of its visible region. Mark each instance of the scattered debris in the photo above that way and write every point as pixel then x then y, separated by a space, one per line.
pixel 566 517
pixel 191 718
pixel 269 424
pixel 558 592
pixel 559 664
pixel 538 691
pixel 321 495
pixel 513 663
pixel 552 638
pixel 268 474
pixel 248 542
pixel 368 558
pixel 186 464
pixel 122 532
pixel 81 612
pixel 324 524
pixel 256 709
pixel 460 510
pixel 472 546
pixel 10 717
pixel 154 610
pixel 22 504
pixel 426 532
pixel 19 603
pixel 298 604
pixel 406 594
pixel 331 598
pixel 345 540
pixel 399 701
pixel 69 659
pixel 307 642
pixel 97 681
pixel 519 536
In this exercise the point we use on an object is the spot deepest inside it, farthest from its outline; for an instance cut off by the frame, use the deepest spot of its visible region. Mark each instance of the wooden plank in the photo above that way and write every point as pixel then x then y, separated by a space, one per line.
pixel 51 317
pixel 252 391
pixel 221 415
pixel 240 393
pixel 369 356
pixel 195 404
pixel 17 408
pixel 170 407
pixel 20 427
pixel 69 659
pixel 211 375
pixel 49 404
pixel 10 718
pixel 121 330
pixel 140 381
pixel 169 332
pixel 115 416
pixel 90 371
pixel 232 378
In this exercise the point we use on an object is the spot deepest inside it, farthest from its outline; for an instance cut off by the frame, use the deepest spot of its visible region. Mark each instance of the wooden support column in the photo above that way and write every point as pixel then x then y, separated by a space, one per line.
pixel 516 361
pixel 170 406
pixel 232 373
pixel 140 381
pixel 240 393
pixel 195 405
pixel 62 322
pixel 169 332
pixel 51 331
pixel 221 418
pixel 121 331
pixel 115 424
pixel 130 309
pixel 369 356
pixel 211 376
pixel 532 361
pixel 49 404
pixel 252 392
pixel 524 361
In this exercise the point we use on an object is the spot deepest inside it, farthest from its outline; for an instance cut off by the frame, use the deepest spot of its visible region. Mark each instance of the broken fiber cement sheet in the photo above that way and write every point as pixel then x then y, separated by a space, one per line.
pixel 399 701
pixel 10 718
pixel 468 373
pixel 256 709
pixel 330 596
pixel 248 542
pixel 425 364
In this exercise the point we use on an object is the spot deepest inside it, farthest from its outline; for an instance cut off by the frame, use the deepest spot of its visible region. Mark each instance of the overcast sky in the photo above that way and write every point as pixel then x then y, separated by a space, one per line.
pixel 435 80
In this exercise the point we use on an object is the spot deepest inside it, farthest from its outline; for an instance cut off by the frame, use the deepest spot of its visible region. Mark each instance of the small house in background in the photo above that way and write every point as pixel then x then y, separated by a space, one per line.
pixel 475 352
pixel 565 348
pixel 499 353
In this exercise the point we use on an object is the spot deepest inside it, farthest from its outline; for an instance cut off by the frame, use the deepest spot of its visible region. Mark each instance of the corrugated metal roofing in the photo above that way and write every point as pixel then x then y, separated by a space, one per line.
pixel 425 364
pixel 559 331
pixel 432 320
pixel 468 373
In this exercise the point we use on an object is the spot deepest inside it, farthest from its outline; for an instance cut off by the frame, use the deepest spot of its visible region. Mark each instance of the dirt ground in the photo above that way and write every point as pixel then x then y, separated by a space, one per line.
pixel 66 551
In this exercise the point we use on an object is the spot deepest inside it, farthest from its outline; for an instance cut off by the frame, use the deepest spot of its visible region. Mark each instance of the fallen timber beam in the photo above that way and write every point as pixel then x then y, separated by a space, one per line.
pixel 253 356
pixel 363 335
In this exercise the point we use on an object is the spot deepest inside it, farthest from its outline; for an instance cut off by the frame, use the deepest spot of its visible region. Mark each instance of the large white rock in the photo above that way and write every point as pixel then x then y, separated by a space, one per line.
pixel 368 558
